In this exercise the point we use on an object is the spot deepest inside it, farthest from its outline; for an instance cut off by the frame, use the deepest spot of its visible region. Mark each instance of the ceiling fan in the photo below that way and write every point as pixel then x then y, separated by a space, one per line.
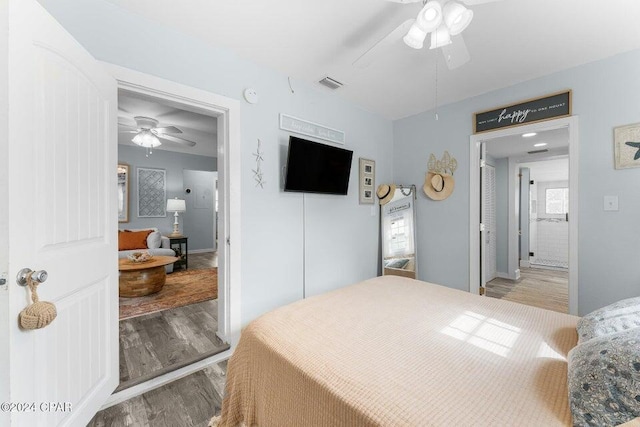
pixel 444 19
pixel 148 134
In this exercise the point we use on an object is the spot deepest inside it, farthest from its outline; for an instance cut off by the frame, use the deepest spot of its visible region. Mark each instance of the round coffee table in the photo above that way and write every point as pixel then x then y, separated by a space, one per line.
pixel 138 279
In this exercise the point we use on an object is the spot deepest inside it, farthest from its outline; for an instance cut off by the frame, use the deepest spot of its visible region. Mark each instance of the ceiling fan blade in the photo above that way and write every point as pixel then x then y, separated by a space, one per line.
pixel 167 129
pixel 456 54
pixel 404 1
pixel 372 54
pixel 128 131
pixel 125 125
pixel 176 139
pixel 475 2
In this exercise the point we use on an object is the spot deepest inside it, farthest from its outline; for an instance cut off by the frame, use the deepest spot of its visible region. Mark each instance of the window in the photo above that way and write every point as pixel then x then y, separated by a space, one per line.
pixel 557 201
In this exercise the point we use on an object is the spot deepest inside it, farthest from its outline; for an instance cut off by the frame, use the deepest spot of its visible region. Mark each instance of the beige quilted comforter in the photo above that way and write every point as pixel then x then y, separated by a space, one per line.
pixel 393 351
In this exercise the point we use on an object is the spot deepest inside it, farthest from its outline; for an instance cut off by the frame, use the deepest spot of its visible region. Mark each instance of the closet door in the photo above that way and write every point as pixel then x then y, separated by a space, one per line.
pixel 489 219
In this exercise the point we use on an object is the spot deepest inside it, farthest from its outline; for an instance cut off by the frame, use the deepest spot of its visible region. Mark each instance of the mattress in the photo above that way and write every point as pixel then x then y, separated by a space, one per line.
pixel 393 351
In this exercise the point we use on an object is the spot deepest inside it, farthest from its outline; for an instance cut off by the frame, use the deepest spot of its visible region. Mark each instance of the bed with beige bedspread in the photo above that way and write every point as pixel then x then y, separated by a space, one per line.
pixel 392 351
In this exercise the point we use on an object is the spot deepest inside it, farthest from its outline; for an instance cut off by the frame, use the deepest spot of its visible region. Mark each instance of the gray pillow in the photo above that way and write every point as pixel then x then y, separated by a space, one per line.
pixel 604 380
pixel 616 317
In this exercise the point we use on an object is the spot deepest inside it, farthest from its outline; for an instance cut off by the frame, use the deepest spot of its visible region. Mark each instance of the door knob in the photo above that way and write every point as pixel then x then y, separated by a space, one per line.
pixel 38 276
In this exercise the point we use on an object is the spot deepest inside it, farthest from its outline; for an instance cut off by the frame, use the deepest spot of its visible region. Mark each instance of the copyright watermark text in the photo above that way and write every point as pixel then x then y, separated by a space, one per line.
pixel 35 406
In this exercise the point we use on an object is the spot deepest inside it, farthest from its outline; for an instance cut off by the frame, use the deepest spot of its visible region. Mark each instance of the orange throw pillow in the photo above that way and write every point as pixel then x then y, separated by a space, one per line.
pixel 129 240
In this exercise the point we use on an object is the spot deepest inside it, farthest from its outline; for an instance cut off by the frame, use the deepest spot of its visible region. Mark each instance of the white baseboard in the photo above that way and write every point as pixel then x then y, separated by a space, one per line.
pixel 201 251
pixel 525 264
pixel 154 383
pixel 503 275
pixel 517 274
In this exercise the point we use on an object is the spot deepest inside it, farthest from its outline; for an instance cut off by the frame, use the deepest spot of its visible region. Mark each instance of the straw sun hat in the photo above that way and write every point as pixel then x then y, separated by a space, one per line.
pixel 438 186
pixel 385 193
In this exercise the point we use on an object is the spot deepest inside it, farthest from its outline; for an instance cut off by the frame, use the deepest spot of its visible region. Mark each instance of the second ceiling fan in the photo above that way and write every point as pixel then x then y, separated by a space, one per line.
pixel 442 19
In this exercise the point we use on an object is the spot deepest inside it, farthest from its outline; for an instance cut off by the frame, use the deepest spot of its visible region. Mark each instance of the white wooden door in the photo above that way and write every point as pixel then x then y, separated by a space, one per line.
pixel 489 220
pixel 483 226
pixel 63 219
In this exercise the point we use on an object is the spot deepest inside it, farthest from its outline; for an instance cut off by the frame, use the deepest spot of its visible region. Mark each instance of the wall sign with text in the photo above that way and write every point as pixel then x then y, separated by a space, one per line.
pixel 304 127
pixel 530 111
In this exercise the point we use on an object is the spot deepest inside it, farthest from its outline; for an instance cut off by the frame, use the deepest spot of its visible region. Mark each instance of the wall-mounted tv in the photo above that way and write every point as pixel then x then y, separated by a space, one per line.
pixel 317 168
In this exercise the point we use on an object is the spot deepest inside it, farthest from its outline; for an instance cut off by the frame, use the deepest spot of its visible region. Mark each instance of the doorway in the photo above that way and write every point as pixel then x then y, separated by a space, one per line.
pixel 223 326
pixel 505 235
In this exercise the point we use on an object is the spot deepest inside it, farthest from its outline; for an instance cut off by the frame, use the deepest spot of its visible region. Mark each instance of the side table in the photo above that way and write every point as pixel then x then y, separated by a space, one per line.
pixel 180 246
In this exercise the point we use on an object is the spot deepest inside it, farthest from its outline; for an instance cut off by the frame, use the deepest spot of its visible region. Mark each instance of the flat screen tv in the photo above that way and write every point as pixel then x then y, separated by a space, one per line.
pixel 317 168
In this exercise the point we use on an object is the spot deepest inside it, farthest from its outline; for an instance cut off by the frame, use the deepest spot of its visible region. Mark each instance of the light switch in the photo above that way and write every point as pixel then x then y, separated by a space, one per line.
pixel 610 203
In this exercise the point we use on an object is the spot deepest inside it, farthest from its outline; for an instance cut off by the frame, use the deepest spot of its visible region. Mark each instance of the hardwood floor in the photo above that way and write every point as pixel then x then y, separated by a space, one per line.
pixel 157 343
pixel 538 287
pixel 203 260
pixel 189 401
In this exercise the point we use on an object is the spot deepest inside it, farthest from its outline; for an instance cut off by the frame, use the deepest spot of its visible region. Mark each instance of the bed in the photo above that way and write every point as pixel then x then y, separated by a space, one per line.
pixel 393 351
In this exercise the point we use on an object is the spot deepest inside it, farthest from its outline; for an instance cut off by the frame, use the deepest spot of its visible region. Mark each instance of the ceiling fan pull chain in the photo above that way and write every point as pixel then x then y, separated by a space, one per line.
pixel 436 88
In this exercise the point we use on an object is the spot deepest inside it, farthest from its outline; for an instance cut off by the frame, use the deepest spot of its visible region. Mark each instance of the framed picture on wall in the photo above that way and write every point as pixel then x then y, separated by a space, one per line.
pixel 367 181
pixel 123 192
pixel 152 193
pixel 626 140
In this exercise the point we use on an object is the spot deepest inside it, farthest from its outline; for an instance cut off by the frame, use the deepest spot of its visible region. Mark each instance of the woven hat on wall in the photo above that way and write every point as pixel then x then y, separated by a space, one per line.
pixel 385 193
pixel 439 182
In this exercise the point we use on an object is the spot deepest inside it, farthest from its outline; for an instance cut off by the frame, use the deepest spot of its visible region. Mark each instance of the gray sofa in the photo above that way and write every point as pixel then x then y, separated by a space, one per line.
pixel 157 244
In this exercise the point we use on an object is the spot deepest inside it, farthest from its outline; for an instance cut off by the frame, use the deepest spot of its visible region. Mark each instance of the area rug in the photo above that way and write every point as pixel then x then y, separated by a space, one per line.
pixel 182 288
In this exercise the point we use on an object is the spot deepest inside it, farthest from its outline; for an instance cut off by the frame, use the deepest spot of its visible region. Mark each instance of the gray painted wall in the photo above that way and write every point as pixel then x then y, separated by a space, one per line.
pixel 198 218
pixel 341 235
pixel 174 164
pixel 605 95
pixel 502 216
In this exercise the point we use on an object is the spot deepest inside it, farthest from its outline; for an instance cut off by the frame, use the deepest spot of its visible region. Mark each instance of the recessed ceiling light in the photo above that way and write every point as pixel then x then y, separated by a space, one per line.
pixel 540 144
pixel 529 135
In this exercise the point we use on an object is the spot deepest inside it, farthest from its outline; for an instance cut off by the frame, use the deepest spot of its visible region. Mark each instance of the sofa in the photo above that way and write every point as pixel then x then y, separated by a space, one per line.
pixel 156 244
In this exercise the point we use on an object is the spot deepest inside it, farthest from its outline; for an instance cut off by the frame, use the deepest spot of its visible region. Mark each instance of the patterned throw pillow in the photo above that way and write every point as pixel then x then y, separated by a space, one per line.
pixel 604 379
pixel 617 317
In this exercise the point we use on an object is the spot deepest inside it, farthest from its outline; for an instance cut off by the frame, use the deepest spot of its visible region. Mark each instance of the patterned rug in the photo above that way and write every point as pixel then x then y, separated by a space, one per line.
pixel 182 288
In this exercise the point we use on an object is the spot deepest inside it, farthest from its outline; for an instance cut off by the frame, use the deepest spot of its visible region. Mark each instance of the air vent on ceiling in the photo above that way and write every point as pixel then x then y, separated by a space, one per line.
pixel 330 83
pixel 537 151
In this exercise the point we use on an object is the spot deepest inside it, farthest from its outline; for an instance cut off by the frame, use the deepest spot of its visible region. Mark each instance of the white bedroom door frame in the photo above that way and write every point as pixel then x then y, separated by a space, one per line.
pixel 227 111
pixel 571 123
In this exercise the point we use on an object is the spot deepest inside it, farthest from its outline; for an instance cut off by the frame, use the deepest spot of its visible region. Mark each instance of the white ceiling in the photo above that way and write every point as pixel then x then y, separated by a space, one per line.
pixel 557 141
pixel 510 41
pixel 195 127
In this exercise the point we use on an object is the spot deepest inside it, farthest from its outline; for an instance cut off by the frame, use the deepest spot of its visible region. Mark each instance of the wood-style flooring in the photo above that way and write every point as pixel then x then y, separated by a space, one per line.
pixel 156 343
pixel 160 342
pixel 189 401
pixel 538 287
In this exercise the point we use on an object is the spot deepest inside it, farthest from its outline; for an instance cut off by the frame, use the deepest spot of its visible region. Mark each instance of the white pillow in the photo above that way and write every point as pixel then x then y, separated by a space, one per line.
pixel 154 240
pixel 616 317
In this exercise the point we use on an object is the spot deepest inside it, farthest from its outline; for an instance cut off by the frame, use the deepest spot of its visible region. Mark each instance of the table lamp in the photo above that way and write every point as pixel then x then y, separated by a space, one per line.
pixel 176 205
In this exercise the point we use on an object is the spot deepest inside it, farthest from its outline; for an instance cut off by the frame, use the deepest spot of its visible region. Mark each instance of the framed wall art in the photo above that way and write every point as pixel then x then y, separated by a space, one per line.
pixel 367 181
pixel 152 193
pixel 626 140
pixel 123 192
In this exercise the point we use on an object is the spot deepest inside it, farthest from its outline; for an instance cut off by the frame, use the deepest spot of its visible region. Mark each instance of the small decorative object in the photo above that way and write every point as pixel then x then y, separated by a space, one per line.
pixel 385 193
pixel 40 313
pixel 139 257
pixel 176 205
pixel 627 146
pixel 439 182
pixel 123 193
pixel 367 180
pixel 257 172
pixel 304 127
pixel 152 193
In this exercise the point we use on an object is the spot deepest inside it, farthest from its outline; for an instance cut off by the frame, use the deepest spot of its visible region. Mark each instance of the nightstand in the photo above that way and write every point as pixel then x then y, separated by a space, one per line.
pixel 180 246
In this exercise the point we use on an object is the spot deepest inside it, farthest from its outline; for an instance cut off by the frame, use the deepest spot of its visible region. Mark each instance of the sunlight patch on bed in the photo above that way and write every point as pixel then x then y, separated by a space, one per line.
pixel 483 332
pixel 548 352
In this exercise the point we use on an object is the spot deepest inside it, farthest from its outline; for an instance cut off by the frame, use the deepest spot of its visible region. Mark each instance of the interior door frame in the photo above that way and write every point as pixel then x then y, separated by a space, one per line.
pixel 572 124
pixel 227 111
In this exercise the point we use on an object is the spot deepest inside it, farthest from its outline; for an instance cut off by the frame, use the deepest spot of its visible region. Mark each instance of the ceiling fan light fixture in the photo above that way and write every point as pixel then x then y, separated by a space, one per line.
pixel 440 37
pixel 430 17
pixel 145 138
pixel 415 37
pixel 456 17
